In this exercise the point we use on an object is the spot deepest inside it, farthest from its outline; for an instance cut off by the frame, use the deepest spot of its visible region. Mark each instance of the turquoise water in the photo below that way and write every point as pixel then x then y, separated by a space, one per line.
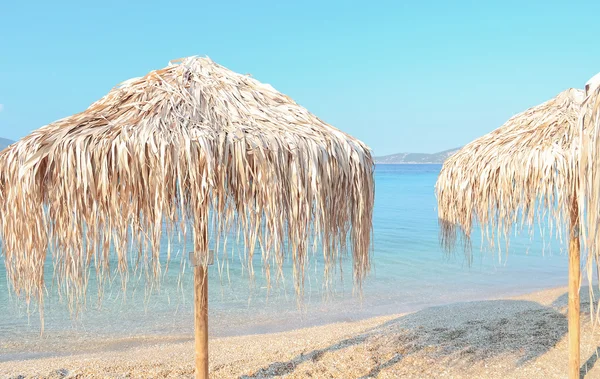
pixel 410 272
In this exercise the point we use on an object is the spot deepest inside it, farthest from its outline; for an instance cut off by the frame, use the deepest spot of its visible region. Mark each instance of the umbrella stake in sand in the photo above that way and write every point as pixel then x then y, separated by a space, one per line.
pixel 574 308
pixel 201 312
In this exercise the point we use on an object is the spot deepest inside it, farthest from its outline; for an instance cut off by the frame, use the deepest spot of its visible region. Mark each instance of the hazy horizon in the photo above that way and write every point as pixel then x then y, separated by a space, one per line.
pixel 374 152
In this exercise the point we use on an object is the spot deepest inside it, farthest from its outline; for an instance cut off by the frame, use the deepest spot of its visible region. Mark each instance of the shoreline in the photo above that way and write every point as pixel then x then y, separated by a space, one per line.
pixel 518 337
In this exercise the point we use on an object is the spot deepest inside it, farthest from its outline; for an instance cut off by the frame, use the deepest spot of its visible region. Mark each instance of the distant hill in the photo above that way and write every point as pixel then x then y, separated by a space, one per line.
pixel 416 157
pixel 386 159
pixel 4 143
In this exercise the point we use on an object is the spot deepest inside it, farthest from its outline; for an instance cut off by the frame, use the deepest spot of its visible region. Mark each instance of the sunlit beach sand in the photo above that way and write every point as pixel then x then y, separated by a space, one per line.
pixel 518 337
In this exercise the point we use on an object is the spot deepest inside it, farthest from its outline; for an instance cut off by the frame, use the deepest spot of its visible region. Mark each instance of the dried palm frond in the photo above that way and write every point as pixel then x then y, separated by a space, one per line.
pixel 176 147
pixel 589 180
pixel 522 171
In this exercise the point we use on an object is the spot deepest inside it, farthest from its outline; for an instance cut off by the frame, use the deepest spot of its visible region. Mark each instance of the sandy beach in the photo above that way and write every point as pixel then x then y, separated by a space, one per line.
pixel 520 337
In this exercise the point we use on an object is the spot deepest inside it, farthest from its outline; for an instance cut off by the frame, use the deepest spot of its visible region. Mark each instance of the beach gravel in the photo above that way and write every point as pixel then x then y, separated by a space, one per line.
pixel 520 337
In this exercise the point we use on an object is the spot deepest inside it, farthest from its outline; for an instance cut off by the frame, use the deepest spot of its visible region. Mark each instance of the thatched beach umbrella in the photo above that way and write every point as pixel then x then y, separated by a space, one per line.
pixel 524 170
pixel 188 144
pixel 589 183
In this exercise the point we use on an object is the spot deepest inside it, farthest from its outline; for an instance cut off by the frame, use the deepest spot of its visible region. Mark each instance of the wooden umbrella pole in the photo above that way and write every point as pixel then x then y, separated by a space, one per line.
pixel 574 281
pixel 201 319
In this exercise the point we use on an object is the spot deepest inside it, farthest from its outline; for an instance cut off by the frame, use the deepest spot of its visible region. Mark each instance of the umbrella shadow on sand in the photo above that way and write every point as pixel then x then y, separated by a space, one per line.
pixel 562 302
pixel 457 333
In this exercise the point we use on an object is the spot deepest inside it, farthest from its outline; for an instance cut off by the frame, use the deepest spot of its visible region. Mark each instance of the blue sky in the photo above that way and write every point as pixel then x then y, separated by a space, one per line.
pixel 402 76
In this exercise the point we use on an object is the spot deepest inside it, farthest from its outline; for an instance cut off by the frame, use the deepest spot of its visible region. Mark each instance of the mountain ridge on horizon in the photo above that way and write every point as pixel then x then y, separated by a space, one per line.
pixel 4 142
pixel 398 158
pixel 416 158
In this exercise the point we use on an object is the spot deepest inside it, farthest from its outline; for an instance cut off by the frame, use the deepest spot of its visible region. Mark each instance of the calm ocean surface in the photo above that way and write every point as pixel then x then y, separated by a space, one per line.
pixel 410 272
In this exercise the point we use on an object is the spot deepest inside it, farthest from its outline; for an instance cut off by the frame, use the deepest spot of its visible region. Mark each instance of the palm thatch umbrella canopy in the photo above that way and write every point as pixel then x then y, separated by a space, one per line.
pixel 180 146
pixel 525 170
pixel 589 183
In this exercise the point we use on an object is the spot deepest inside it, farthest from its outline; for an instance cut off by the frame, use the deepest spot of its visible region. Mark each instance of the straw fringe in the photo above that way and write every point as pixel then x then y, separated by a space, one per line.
pixel 523 171
pixel 589 185
pixel 183 145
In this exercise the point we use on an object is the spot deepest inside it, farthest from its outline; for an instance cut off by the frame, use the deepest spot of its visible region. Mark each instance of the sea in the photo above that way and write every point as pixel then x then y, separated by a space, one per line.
pixel 410 272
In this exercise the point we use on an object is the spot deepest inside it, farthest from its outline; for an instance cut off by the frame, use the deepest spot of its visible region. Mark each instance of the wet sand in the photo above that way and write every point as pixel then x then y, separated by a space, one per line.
pixel 519 337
